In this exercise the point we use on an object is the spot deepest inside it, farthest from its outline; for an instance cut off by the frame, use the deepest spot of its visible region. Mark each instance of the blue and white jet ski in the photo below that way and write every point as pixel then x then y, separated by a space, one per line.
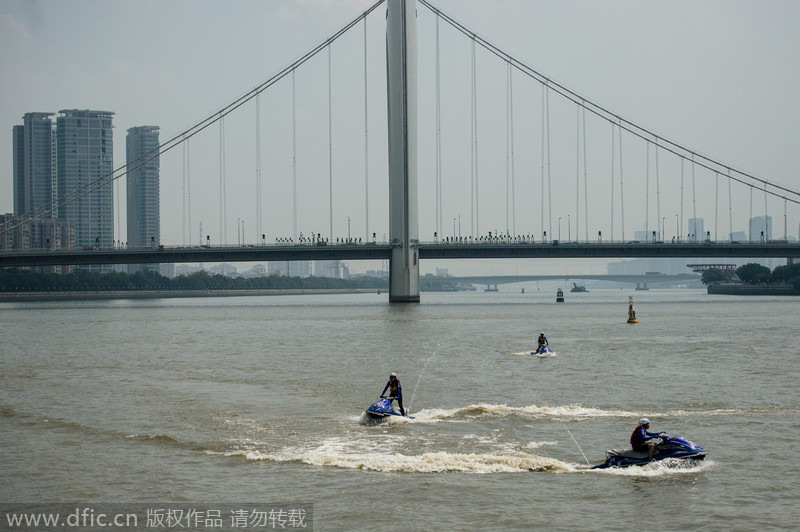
pixel 543 350
pixel 668 447
pixel 382 409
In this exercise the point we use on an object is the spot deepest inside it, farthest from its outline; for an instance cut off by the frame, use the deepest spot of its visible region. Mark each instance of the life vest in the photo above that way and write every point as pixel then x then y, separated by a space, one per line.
pixel 636 437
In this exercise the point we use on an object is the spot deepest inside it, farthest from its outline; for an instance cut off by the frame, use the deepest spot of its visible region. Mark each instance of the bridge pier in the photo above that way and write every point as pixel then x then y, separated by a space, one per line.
pixel 401 73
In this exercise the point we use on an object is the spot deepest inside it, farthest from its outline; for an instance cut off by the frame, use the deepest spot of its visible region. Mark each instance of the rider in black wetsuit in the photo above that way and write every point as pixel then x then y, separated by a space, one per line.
pixel 542 342
pixel 395 391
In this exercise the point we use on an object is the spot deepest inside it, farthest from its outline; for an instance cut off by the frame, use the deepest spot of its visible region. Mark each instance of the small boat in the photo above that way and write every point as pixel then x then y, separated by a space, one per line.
pixel 576 288
pixel 669 447
pixel 560 296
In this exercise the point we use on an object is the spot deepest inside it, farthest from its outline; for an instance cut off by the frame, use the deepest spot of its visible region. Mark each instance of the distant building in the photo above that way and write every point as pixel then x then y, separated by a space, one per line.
pixel 696 230
pixel 738 236
pixel 143 196
pixel 227 270
pixel 34 166
pixel 17 233
pixel 186 269
pixel 85 162
pixel 167 270
pixel 760 225
pixel 292 268
pixel 328 268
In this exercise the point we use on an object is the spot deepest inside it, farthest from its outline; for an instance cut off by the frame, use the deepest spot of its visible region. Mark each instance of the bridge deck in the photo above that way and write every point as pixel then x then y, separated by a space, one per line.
pixel 427 250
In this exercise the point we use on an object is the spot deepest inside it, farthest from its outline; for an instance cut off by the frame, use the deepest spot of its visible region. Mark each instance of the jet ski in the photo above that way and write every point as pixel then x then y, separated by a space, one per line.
pixel 668 447
pixel 383 409
pixel 543 350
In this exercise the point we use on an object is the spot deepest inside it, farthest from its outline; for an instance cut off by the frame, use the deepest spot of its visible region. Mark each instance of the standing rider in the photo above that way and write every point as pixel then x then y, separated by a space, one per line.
pixel 640 438
pixel 395 391
pixel 542 342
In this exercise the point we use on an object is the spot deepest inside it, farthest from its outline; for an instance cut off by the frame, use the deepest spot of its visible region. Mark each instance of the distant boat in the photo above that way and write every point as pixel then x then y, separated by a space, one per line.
pixel 576 288
pixel 560 296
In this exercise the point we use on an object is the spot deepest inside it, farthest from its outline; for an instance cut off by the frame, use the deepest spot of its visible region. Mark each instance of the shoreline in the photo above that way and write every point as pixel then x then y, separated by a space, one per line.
pixel 752 290
pixel 10 297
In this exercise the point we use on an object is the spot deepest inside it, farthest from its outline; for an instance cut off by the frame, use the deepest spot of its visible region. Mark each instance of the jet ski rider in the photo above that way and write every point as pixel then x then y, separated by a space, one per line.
pixel 395 391
pixel 640 438
pixel 542 342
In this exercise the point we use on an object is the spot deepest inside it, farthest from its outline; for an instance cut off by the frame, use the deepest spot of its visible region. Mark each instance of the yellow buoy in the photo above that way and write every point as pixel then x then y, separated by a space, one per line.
pixel 631 311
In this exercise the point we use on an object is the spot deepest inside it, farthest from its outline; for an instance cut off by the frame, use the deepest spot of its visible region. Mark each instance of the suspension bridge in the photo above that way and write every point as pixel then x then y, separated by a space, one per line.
pixel 466 176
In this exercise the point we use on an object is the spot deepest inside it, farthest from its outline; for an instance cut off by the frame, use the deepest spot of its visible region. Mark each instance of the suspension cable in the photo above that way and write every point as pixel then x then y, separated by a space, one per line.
pixel 183 136
pixel 600 111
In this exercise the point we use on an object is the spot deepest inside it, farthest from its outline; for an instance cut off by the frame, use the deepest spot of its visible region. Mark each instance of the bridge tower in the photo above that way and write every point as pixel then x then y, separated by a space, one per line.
pixel 401 72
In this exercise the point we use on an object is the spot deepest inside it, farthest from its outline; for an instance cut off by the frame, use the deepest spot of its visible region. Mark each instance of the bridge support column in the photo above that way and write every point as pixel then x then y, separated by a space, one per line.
pixel 401 73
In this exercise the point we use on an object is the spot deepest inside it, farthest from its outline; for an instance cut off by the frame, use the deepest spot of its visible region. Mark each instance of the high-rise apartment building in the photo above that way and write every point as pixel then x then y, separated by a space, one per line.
pixel 84 156
pixel 34 168
pixel 143 197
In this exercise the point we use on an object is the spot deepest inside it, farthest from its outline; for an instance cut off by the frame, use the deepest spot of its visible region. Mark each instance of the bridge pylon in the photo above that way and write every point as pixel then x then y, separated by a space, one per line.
pixel 401 73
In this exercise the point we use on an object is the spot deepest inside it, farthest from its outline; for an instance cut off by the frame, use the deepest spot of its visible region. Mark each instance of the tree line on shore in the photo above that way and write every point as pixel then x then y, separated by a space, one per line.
pixel 754 273
pixel 22 280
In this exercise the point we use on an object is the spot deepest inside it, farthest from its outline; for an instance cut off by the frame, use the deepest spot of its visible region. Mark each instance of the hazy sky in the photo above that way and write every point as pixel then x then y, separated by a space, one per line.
pixel 721 77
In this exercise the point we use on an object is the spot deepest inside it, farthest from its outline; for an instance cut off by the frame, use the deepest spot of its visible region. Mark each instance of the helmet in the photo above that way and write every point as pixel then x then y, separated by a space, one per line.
pixel 644 421
pixel 542 333
pixel 393 374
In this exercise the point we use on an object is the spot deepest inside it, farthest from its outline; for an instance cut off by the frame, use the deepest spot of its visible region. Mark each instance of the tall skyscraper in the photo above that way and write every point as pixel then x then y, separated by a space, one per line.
pixel 34 168
pixel 144 218
pixel 84 155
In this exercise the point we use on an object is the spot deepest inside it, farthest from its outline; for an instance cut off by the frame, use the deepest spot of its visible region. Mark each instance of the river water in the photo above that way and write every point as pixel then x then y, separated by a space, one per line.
pixel 258 399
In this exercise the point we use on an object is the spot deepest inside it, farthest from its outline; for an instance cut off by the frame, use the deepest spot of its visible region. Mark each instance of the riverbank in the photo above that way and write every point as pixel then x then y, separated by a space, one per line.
pixel 753 290
pixel 166 294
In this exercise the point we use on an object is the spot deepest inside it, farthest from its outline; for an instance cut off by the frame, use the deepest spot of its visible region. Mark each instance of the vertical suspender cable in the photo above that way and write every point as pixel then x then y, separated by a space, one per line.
pixel 585 178
pixel 621 185
pixel 658 198
pixel 438 221
pixel 508 148
pixel 766 228
pixel 223 230
pixel 750 221
pixel 189 186
pixel 549 180
pixel 366 136
pixel 577 170
pixel 541 195
pixel 294 157
pixel 330 146
pixel 647 193
pixel 716 204
pixel 183 190
pixel 785 221
pixel 612 178
pixel 475 118
pixel 258 166
pixel 680 226
pixel 513 166
pixel 472 143
pixel 694 203
pixel 730 208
